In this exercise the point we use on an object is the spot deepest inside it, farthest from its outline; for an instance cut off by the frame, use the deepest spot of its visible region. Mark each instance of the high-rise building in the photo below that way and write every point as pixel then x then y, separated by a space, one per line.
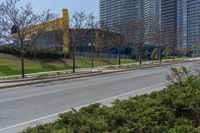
pixel 145 11
pixel 169 18
pixel 182 24
pixel 151 19
pixel 112 11
pixel 188 22
pixel 179 19
pixel 193 31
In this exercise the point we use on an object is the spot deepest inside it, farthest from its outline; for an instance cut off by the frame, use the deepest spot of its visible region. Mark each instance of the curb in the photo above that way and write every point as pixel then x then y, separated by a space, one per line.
pixel 35 79
pixel 45 80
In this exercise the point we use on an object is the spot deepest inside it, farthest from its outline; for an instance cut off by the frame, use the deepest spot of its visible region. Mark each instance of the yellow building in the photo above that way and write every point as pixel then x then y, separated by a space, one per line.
pixel 66 40
pixel 54 35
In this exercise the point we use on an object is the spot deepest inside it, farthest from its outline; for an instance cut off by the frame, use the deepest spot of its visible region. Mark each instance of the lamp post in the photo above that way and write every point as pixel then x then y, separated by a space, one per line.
pixel 92 46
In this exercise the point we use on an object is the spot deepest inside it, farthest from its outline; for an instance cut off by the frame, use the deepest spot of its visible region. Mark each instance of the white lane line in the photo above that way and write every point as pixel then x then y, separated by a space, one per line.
pixel 100 101
pixel 28 96
pixel 55 91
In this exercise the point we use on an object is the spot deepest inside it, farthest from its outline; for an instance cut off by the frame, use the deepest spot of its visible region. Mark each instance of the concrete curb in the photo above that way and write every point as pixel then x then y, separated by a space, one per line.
pixel 44 80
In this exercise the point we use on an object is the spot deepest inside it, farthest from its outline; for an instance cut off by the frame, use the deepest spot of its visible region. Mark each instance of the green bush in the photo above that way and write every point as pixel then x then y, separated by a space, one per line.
pixel 172 110
pixel 40 53
pixel 133 54
pixel 167 53
pixel 154 54
pixel 181 52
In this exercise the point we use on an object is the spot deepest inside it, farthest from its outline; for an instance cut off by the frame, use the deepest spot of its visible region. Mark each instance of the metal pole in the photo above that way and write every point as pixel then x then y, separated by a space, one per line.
pixel 92 55
pixel 74 60
pixel 22 59
pixel 195 49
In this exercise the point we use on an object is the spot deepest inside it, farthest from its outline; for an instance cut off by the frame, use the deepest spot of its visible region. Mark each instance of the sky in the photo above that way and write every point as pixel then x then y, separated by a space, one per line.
pixel 56 6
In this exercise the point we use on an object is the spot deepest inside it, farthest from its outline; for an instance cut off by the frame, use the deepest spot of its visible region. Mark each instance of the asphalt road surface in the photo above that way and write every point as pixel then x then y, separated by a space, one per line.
pixel 21 107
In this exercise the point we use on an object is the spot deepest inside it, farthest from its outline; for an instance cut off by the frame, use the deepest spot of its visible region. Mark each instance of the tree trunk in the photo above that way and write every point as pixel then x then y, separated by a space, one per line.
pixel 140 56
pixel 107 53
pixel 92 55
pixel 119 57
pixel 64 56
pixel 22 59
pixel 160 54
pixel 74 61
pixel 173 54
pixel 74 58
pixel 35 55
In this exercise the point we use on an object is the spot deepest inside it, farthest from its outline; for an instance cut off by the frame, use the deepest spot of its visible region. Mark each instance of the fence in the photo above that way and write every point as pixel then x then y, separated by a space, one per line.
pixel 101 55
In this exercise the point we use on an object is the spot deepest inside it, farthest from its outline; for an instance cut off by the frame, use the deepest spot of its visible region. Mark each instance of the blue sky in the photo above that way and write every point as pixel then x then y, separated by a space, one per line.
pixel 73 5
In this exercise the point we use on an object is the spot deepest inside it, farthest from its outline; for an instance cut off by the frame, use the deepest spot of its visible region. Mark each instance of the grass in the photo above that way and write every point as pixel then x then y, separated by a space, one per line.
pixel 10 65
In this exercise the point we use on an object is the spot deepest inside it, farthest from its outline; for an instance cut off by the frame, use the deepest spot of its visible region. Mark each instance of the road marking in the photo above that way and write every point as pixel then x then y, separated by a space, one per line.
pixel 100 101
pixel 60 90
pixel 28 96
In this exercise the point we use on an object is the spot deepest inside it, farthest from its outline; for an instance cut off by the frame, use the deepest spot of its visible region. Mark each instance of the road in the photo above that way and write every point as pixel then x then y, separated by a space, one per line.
pixel 21 107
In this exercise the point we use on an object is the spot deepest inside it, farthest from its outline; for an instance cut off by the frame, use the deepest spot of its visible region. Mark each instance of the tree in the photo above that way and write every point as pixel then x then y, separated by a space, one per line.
pixel 156 37
pixel 92 26
pixel 78 30
pixel 197 47
pixel 103 39
pixel 118 37
pixel 16 24
pixel 135 33
pixel 170 41
pixel 154 54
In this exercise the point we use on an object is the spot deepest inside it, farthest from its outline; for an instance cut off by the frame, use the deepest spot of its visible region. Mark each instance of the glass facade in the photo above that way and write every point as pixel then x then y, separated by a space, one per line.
pixel 180 18
pixel 168 17
pixel 193 24
pixel 112 11
pixel 182 24
pixel 188 24
pixel 151 19
pixel 146 11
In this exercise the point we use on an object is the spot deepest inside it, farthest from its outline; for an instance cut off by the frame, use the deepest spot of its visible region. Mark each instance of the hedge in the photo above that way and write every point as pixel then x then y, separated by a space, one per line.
pixel 40 53
pixel 173 110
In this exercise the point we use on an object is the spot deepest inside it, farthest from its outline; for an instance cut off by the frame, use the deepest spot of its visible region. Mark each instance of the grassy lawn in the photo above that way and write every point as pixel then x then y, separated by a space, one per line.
pixel 10 65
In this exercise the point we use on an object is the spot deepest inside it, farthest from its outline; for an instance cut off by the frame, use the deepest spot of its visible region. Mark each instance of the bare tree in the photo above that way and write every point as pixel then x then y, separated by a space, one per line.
pixel 197 47
pixel 156 38
pixel 92 26
pixel 19 23
pixel 18 20
pixel 103 39
pixel 136 35
pixel 78 27
pixel 170 41
pixel 118 37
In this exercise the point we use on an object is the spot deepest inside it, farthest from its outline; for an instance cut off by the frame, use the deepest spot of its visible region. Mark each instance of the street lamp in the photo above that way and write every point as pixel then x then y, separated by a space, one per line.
pixel 91 45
